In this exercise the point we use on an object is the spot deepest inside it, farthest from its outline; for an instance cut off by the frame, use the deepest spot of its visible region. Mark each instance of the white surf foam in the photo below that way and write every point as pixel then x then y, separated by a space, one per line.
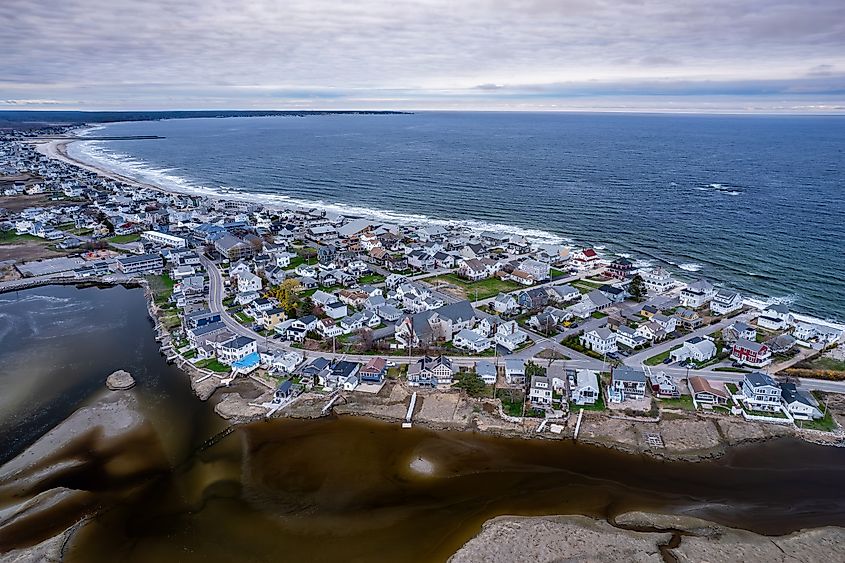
pixel 691 267
pixel 96 154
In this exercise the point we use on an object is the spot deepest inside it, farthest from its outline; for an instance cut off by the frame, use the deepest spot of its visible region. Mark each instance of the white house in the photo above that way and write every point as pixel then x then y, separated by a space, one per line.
pixel 774 317
pixel 509 336
pixel 698 348
pixel 248 282
pixel 538 270
pixel 726 302
pixel 628 336
pixel 236 349
pixel 584 387
pixel 505 303
pixel 471 340
pixel 540 392
pixel 486 371
pixel 697 294
pixel 515 371
pixel 328 328
pixel 601 340
pixel 800 404
pixel 761 392
pixel 658 280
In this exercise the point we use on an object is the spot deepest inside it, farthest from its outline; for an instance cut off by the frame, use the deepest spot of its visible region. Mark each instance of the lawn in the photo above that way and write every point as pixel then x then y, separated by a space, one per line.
pixel 598 315
pixel 585 286
pixel 597 406
pixel 512 407
pixel 213 364
pixel 826 424
pixel 555 273
pixel 830 364
pixel 732 388
pixel 10 237
pixel 484 288
pixel 294 262
pixel 244 318
pixel 575 344
pixel 684 402
pixel 658 359
pixel 123 239
pixel 370 279
pixel 161 287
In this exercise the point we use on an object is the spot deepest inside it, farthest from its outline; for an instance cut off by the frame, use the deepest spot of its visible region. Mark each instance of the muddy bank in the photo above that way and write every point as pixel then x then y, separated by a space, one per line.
pixel 54 483
pixel 642 537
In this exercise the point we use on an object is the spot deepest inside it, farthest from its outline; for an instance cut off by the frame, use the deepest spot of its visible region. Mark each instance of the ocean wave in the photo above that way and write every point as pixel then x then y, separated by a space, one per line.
pixel 691 267
pixel 720 188
pixel 96 154
pixel 643 264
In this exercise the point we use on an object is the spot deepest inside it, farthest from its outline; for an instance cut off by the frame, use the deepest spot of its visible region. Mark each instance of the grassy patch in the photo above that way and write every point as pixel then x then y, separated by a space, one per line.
pixel 511 406
pixel 213 364
pixel 484 288
pixel 190 354
pixel 124 239
pixel 10 237
pixel 161 287
pixel 574 343
pixel 294 262
pixel 555 273
pixel 826 423
pixel 731 369
pixel 370 279
pixel 597 406
pixel 830 364
pixel 658 359
pixel 684 402
pixel 244 318
pixel 598 315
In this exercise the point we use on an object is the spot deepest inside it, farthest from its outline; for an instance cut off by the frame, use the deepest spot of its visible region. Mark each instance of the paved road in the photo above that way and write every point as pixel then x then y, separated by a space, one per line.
pixel 640 357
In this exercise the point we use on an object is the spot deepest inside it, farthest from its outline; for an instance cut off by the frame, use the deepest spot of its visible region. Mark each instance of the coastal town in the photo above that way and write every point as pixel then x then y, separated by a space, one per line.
pixel 330 311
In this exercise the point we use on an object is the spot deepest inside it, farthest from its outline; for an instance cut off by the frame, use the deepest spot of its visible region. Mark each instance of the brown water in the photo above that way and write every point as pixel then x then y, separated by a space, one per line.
pixel 347 489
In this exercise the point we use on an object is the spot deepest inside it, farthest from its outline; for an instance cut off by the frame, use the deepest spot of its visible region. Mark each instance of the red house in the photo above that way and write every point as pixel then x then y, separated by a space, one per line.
pixel 749 353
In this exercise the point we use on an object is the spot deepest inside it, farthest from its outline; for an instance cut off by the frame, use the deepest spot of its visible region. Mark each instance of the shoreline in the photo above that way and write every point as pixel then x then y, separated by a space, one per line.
pixel 58 149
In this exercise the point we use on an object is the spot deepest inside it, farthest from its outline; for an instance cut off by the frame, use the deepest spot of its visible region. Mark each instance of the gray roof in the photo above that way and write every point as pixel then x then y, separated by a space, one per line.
pixel 759 379
pixel 626 373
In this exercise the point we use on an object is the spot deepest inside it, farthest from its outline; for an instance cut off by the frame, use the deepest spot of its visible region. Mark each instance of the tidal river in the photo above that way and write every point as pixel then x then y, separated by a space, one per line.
pixel 331 489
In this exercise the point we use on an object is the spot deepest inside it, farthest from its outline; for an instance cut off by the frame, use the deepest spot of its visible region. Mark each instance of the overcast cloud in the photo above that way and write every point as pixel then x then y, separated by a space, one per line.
pixel 486 54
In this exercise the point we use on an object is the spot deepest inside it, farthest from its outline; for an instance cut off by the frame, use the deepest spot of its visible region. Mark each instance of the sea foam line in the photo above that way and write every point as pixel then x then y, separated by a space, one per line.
pixel 94 153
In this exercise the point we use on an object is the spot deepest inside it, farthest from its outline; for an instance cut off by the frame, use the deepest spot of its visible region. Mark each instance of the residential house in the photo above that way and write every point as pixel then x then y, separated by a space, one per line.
pixel 486 371
pixel 621 269
pixel 697 294
pixel 532 299
pixel 509 336
pixel 699 349
pixel 471 340
pixel 726 302
pixel 474 269
pixel 269 318
pixel 774 317
pixel 708 394
pixel 668 324
pixel 739 330
pixel 564 293
pixel 658 280
pixel 505 304
pixel 601 340
pixel 750 353
pixel 374 371
pixel 626 383
pixel 761 392
pixel 584 387
pixel 515 371
pixel 328 328
pixel 662 385
pixel 236 349
pixel 689 318
pixel 539 271
pixel 336 310
pixel 800 404
pixel 431 372
pixel 598 299
pixel 540 391
pixel 248 282
pixel 628 336
pixel 613 293
pixel 145 263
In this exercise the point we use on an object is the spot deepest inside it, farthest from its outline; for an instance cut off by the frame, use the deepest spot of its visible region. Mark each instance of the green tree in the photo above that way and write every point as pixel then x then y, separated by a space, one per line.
pixel 637 288
pixel 470 382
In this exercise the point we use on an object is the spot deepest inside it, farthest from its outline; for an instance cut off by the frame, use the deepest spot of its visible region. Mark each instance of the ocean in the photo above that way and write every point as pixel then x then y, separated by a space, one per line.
pixel 754 203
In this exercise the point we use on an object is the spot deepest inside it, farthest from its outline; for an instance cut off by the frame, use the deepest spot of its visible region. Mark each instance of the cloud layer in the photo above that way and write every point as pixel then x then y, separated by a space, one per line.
pixel 544 54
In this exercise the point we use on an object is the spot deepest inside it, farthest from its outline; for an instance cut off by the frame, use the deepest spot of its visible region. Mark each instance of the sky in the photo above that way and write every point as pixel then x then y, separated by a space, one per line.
pixel 622 55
